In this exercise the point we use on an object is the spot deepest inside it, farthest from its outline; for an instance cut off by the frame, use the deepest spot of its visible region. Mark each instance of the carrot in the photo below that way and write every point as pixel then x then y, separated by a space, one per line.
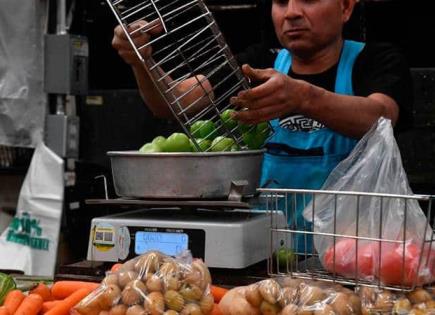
pixel 43 291
pixel 48 305
pixel 218 293
pixel 13 300
pixel 4 310
pixel 62 289
pixel 64 307
pixel 31 305
pixel 216 310
pixel 115 267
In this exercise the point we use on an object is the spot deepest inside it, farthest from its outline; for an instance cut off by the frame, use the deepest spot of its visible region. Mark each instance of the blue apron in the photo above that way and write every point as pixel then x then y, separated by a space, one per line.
pixel 284 170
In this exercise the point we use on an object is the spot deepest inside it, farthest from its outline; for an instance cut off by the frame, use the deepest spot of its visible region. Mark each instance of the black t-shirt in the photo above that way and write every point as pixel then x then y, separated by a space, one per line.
pixel 379 68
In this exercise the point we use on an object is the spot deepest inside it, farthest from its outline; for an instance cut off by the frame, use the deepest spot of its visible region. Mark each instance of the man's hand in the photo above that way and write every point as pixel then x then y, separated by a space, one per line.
pixel 276 96
pixel 140 32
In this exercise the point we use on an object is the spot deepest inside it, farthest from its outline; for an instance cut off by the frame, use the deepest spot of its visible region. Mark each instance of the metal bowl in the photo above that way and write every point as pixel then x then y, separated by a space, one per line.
pixel 184 175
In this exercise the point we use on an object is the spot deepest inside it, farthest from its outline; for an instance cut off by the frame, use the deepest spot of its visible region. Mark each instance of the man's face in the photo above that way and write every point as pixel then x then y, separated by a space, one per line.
pixel 307 26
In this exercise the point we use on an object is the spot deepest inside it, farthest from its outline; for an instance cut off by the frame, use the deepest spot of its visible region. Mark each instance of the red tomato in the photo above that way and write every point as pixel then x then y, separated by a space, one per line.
pixel 399 267
pixel 345 258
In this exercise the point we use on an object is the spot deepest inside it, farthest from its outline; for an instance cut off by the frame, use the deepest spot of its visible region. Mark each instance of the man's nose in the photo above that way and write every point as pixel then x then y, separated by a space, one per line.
pixel 294 9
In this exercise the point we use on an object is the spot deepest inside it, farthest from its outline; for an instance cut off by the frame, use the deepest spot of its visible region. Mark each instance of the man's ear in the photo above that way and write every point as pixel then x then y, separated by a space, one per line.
pixel 347 9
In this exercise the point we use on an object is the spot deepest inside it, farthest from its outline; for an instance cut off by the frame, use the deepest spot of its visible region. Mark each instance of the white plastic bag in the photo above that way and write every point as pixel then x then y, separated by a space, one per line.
pixel 30 242
pixel 375 166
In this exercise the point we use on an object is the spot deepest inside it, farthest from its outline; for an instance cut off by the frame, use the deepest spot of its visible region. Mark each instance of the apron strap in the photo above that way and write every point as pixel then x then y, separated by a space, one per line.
pixel 343 81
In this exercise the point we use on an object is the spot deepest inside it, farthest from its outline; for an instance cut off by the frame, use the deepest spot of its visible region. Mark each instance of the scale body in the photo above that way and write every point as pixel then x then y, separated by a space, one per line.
pixel 223 239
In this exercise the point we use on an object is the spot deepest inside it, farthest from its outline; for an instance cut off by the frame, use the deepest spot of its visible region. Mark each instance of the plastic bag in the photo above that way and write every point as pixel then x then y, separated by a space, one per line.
pixel 378 301
pixel 287 296
pixel 31 240
pixel 373 166
pixel 153 283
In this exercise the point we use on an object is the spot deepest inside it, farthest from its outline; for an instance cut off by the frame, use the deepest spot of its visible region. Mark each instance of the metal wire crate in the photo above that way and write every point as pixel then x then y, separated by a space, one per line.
pixel 307 263
pixel 187 45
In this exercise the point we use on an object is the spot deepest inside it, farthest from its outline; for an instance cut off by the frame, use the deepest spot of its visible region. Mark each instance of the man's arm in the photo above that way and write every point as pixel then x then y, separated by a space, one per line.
pixel 281 95
pixel 196 90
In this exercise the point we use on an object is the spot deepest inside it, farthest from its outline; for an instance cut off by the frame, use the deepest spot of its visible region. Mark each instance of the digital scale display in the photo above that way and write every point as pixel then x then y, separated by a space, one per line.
pixel 170 244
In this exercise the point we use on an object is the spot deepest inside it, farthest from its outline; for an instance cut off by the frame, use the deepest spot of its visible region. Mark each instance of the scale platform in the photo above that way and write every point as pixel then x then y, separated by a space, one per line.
pixel 223 239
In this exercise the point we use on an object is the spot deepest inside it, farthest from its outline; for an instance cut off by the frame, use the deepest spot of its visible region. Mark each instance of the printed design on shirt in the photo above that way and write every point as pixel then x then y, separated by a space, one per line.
pixel 27 231
pixel 300 123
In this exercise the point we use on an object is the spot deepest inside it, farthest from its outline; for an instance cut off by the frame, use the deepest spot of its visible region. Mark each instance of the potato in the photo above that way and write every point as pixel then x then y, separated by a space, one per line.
pixel 430 305
pixel 174 300
pixel 88 306
pixel 154 283
pixel 191 292
pixel 198 275
pixel 402 306
pixel 119 309
pixel 234 303
pixel 125 277
pixel 135 310
pixel 341 304
pixel 191 309
pixel 384 301
pixel 111 278
pixel 154 303
pixel 368 295
pixel 253 296
pixel 109 296
pixel 355 303
pixel 326 310
pixel 267 308
pixel 133 293
pixel 269 290
pixel 304 311
pixel 309 295
pixel 289 295
pixel 419 295
pixel 148 263
pixel 128 265
pixel 416 311
pixel 290 309
pixel 207 303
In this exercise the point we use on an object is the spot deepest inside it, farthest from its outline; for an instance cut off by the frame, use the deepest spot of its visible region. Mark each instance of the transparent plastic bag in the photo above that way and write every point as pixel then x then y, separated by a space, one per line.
pixel 288 296
pixel 405 256
pixel 153 283
pixel 379 301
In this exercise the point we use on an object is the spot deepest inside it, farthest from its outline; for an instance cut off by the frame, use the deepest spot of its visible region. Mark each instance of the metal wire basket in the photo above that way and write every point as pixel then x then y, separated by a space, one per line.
pixel 304 261
pixel 188 45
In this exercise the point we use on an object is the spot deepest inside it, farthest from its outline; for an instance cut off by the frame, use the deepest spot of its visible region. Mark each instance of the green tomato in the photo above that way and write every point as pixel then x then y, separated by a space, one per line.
pixel 150 147
pixel 221 143
pixel 203 129
pixel 227 119
pixel 204 144
pixel 263 128
pixel 253 140
pixel 177 142
pixel 245 128
pixel 159 141
pixel 285 256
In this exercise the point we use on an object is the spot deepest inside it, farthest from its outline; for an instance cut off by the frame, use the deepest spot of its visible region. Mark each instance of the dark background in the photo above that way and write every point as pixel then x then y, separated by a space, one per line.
pixel 113 117
pixel 409 26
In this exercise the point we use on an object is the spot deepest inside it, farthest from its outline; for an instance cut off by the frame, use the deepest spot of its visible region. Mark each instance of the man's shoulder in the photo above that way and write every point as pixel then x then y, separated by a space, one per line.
pixel 378 50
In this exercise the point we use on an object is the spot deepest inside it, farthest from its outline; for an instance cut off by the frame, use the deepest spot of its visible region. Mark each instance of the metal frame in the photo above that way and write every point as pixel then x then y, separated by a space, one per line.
pixel 189 44
pixel 307 265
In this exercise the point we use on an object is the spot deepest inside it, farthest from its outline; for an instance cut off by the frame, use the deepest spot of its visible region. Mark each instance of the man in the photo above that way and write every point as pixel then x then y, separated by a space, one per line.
pixel 321 96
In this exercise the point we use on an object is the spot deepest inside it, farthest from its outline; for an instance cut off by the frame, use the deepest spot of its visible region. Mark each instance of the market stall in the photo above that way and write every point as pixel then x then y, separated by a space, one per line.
pixel 192 226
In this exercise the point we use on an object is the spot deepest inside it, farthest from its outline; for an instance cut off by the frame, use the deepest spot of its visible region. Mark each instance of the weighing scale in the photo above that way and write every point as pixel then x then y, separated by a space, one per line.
pixel 233 239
